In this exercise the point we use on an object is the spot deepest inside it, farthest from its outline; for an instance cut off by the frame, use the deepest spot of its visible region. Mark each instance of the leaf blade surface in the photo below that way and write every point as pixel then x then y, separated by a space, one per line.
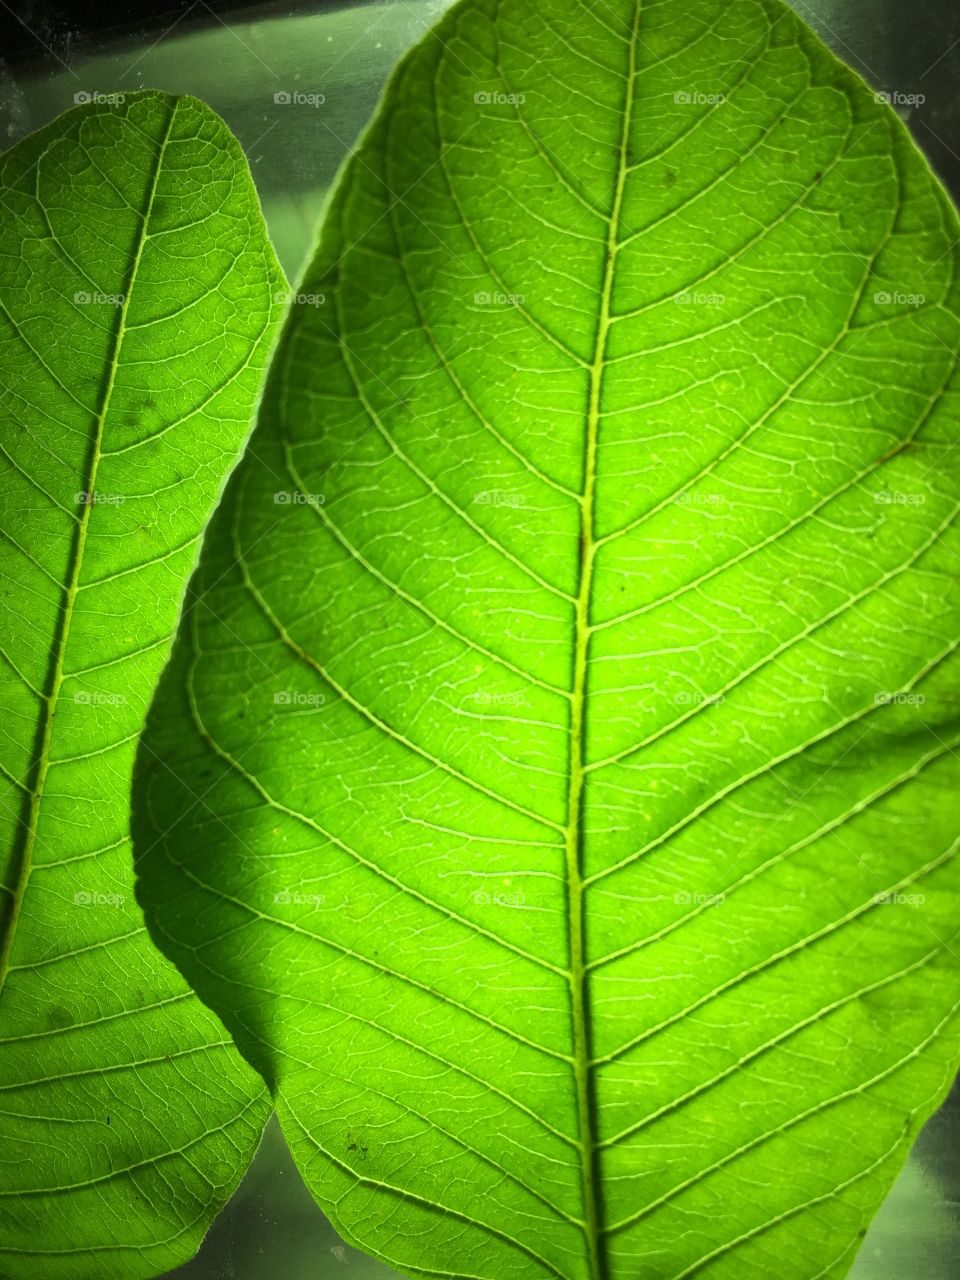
pixel 137 312
pixel 590 894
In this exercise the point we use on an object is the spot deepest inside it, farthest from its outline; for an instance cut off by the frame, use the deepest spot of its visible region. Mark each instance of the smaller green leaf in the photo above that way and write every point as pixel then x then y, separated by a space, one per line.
pixel 138 308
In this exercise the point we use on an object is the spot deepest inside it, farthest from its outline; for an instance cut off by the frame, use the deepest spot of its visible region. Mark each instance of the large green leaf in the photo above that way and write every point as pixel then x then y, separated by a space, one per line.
pixel 137 313
pixel 581 736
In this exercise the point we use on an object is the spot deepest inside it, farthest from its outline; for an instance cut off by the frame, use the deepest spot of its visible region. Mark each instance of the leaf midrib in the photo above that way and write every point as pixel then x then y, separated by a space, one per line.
pixel 51 699
pixel 597 1257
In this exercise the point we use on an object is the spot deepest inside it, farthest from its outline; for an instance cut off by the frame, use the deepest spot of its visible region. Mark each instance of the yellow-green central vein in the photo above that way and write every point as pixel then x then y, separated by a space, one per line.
pixel 579 975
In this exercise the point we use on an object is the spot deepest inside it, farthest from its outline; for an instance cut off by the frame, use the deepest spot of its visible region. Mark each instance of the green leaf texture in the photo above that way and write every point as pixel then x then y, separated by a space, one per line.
pixel 582 725
pixel 137 314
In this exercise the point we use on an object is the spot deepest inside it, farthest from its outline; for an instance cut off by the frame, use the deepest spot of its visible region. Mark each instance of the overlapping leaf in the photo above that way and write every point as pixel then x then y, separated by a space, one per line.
pixel 137 313
pixel 575 682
